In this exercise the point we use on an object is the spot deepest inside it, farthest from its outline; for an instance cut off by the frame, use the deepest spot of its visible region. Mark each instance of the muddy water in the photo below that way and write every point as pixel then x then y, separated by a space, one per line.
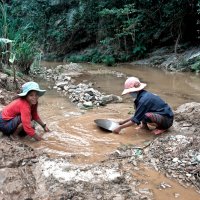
pixel 175 88
pixel 73 131
pixel 152 180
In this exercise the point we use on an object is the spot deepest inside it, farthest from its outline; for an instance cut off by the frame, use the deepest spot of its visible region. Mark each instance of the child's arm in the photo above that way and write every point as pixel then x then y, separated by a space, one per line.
pixel 43 125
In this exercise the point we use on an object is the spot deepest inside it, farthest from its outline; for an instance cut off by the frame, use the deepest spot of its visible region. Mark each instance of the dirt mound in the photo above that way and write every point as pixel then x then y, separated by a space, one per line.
pixel 187 118
pixel 178 154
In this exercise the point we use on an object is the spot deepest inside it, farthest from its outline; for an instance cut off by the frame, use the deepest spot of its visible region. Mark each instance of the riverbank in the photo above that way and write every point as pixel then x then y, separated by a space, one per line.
pixel 187 59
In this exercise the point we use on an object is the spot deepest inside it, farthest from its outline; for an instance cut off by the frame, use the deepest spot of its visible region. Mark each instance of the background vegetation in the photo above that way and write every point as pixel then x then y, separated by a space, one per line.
pixel 105 31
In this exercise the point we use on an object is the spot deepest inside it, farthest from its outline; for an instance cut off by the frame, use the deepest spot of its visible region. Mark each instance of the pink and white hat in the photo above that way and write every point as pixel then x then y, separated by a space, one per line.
pixel 133 84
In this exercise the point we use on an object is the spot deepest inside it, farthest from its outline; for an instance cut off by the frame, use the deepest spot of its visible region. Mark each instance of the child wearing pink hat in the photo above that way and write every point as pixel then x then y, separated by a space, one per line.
pixel 149 108
pixel 16 117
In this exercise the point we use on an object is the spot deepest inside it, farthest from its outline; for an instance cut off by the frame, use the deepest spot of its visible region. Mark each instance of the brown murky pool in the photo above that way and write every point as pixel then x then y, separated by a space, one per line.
pixel 73 131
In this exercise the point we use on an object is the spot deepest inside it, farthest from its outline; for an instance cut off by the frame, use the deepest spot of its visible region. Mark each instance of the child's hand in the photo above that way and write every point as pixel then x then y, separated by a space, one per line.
pixel 14 137
pixel 46 129
pixel 117 130
pixel 37 137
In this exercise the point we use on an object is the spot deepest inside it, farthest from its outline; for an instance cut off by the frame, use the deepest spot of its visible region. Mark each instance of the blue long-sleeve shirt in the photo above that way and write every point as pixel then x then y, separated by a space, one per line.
pixel 148 102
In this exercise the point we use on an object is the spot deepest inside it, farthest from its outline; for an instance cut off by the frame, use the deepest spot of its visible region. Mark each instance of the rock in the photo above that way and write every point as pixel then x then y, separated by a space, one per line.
pixel 3 77
pixel 198 158
pixel 88 104
pixel 175 160
pixel 176 195
pixel 62 84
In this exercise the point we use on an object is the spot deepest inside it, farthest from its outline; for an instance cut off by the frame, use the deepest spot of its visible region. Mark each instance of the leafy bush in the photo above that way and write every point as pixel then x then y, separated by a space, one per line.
pixel 108 60
pixel 131 27
pixel 7 71
pixel 139 50
pixel 196 66
pixel 78 58
pixel 92 55
pixel 123 57
pixel 25 55
pixel 19 46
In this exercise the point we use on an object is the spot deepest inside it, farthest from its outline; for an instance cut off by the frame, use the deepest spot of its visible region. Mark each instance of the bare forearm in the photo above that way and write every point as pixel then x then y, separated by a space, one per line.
pixel 125 121
pixel 124 125
pixel 127 124
pixel 39 121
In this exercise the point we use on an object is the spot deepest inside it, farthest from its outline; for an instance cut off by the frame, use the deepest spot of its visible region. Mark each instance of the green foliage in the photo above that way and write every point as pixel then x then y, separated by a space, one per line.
pixel 3 22
pixel 94 56
pixel 196 66
pixel 119 30
pixel 25 54
pixel 123 57
pixel 122 24
pixel 108 60
pixel 22 48
pixel 139 50
pixel 10 72
pixel 29 18
pixel 78 58
pixel 19 74
pixel 25 51
pixel 7 71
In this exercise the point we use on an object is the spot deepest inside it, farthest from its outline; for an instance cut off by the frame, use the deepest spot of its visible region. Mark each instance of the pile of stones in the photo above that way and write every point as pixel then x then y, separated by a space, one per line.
pixel 82 94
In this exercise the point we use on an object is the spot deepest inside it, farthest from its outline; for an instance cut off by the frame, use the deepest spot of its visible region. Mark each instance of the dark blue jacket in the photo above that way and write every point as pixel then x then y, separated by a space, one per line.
pixel 148 102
